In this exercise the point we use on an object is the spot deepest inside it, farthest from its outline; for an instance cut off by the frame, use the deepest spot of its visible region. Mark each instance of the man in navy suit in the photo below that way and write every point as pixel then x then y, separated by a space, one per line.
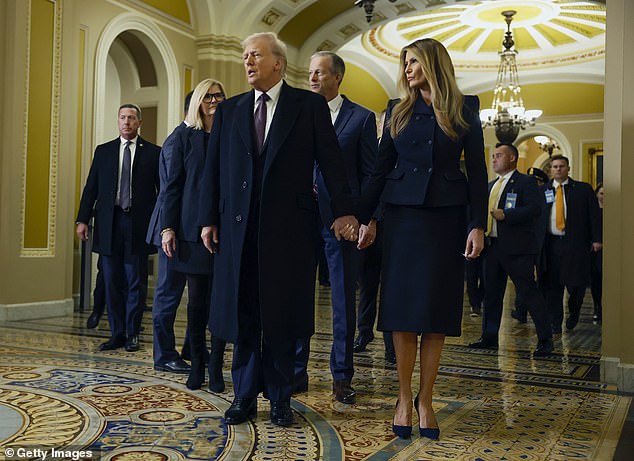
pixel 259 218
pixel 571 237
pixel 356 133
pixel 121 188
pixel 511 249
pixel 170 284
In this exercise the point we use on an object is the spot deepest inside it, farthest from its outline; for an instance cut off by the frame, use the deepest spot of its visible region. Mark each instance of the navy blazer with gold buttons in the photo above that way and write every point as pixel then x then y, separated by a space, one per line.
pixel 421 166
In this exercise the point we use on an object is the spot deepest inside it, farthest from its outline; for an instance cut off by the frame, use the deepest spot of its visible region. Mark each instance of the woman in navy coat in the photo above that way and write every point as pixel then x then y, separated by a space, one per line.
pixel 181 233
pixel 427 218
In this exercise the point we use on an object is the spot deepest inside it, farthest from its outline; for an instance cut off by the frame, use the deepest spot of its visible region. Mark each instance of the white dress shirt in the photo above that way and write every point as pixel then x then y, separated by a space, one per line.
pixel 274 95
pixel 335 107
pixel 133 153
pixel 505 179
pixel 552 222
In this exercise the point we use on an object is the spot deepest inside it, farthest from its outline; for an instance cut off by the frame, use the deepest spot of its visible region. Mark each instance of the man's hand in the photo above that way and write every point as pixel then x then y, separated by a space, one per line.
pixel 597 246
pixel 475 244
pixel 209 235
pixel 346 227
pixel 82 231
pixel 367 234
pixel 498 214
pixel 168 242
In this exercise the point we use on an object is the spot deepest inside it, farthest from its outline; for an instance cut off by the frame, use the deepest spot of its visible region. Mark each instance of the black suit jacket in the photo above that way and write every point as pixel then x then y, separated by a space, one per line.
pixel 356 133
pixel 100 193
pixel 517 231
pixel 301 134
pixel 583 227
pixel 154 229
pixel 421 167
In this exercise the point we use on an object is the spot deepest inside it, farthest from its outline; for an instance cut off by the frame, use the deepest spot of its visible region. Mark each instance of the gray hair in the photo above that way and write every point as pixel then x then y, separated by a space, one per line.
pixel 337 65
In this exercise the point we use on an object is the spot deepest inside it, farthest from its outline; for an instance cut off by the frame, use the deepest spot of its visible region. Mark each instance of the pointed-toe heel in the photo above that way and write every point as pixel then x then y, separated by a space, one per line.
pixel 404 432
pixel 429 432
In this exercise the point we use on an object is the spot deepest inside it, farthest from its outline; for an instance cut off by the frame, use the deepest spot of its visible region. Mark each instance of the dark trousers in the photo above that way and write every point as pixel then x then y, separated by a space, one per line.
pixel 167 297
pixel 197 313
pixel 259 364
pixel 475 283
pixel 555 250
pixel 121 269
pixel 498 266
pixel 99 293
pixel 369 279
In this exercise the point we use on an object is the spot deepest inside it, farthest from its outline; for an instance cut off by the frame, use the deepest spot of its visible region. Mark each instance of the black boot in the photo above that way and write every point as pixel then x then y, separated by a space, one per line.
pixel 196 374
pixel 216 381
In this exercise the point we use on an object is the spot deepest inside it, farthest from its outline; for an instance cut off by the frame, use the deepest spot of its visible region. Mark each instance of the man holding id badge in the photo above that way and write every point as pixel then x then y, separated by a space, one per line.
pixel 511 250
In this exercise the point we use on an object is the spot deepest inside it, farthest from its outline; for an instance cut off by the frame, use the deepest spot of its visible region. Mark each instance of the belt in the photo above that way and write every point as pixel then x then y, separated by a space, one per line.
pixel 123 210
pixel 556 237
pixel 491 240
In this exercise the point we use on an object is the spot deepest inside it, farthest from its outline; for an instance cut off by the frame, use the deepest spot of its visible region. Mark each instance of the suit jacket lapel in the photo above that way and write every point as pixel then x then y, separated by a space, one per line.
pixel 245 120
pixel 345 113
pixel 286 111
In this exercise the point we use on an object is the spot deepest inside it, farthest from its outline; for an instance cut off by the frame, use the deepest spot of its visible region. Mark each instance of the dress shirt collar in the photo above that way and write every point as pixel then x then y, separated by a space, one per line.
pixel 273 93
pixel 507 176
pixel 335 103
pixel 133 140
pixel 557 183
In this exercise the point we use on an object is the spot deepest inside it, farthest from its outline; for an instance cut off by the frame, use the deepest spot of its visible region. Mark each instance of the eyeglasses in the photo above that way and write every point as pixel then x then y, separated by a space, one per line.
pixel 217 96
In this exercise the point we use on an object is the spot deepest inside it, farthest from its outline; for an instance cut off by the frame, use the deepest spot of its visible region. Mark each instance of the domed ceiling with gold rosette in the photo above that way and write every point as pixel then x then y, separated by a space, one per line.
pixel 557 40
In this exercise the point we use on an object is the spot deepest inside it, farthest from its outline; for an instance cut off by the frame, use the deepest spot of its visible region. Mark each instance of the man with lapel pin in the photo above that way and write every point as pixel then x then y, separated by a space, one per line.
pixel 259 218
pixel 511 250
pixel 121 188
pixel 574 231
pixel 356 132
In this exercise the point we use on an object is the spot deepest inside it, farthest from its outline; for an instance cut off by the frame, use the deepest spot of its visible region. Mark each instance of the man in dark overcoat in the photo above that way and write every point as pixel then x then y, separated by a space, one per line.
pixel 121 188
pixel 570 239
pixel 259 218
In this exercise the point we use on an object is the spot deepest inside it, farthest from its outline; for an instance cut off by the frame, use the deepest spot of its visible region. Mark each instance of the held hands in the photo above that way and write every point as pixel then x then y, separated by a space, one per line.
pixel 367 234
pixel 209 235
pixel 475 244
pixel 82 231
pixel 346 227
pixel 168 242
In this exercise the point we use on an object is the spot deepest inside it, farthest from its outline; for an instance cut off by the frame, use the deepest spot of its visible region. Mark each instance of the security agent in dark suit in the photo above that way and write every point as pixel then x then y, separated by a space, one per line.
pixel 574 232
pixel 170 284
pixel 259 218
pixel 121 188
pixel 511 248
pixel 356 132
pixel 520 312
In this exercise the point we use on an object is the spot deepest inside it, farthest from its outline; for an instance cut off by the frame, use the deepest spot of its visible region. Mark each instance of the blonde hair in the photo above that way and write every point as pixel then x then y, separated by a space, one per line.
pixel 278 47
pixel 447 99
pixel 193 117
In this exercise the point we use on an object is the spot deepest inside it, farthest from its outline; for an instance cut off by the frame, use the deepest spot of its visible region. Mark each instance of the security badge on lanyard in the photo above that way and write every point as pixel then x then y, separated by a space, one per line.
pixel 550 195
pixel 511 200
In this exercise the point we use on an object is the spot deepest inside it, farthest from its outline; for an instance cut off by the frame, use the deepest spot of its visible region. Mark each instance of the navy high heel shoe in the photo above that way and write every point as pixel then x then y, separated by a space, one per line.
pixel 404 432
pixel 429 432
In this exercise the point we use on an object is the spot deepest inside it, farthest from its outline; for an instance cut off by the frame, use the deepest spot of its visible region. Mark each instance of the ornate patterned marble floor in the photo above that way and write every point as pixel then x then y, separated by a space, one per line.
pixel 57 391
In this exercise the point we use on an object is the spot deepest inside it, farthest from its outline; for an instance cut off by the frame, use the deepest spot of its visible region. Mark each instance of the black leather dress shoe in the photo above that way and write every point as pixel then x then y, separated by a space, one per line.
pixel 300 383
pixel 112 344
pixel 132 343
pixel 361 343
pixel 544 348
pixel 281 414
pixel 93 320
pixel 484 343
pixel 175 366
pixel 571 322
pixel 343 391
pixel 241 410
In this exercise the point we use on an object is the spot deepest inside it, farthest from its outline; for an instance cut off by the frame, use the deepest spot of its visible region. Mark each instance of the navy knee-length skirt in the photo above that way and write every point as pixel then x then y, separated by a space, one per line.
pixel 422 281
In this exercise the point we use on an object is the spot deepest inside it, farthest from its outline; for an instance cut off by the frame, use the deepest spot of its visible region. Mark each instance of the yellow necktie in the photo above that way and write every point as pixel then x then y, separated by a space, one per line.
pixel 559 208
pixel 494 198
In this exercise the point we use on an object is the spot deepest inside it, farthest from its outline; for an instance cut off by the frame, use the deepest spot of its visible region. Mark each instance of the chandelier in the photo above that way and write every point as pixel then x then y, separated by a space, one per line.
pixel 368 6
pixel 507 113
pixel 546 144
